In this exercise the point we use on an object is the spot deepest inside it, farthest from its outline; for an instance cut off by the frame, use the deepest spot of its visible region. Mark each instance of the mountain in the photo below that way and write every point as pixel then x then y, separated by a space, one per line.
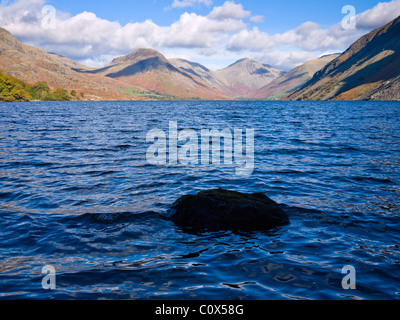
pixel 389 90
pixel 246 76
pixel 210 77
pixel 292 80
pixel 150 69
pixel 369 69
pixel 32 65
pixel 241 79
pixel 186 79
pixel 141 74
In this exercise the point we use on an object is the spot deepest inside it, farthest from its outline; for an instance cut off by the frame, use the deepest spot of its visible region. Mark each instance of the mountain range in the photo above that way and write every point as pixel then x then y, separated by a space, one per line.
pixel 368 70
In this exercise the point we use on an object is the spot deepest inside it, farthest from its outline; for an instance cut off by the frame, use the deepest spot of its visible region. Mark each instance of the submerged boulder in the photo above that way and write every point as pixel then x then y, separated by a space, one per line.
pixel 220 209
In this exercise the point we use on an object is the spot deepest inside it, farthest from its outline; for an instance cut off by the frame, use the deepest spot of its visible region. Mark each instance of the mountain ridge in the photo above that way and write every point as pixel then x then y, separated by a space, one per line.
pixel 367 64
pixel 292 80
pixel 245 76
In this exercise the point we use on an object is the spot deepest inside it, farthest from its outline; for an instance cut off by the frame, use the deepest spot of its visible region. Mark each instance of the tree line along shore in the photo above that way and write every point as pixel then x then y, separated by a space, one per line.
pixel 13 89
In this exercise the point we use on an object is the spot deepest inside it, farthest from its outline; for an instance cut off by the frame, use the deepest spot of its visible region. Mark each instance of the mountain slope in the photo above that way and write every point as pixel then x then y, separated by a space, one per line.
pixel 293 79
pixel 151 70
pixel 389 91
pixel 246 76
pixel 32 65
pixel 206 75
pixel 363 67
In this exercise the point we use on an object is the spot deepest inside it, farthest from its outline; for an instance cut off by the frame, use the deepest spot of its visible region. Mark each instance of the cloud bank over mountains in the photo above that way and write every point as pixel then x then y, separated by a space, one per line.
pixel 226 31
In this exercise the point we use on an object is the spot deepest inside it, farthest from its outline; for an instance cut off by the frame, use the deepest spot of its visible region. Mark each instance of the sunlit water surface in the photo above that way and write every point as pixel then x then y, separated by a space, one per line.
pixel 77 193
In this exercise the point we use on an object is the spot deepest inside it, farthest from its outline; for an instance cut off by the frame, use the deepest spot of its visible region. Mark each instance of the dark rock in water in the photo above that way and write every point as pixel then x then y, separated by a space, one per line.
pixel 220 209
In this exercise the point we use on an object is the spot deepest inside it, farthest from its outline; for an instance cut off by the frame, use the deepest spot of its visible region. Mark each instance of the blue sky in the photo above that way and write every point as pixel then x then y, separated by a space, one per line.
pixel 283 33
pixel 280 15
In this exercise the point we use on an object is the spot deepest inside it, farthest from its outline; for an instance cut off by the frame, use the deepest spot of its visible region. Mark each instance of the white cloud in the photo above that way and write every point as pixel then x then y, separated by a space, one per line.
pixel 286 60
pixel 190 3
pixel 197 31
pixel 309 36
pixel 310 39
pixel 382 13
pixel 86 36
pixel 177 55
pixel 222 32
pixel 98 62
pixel 257 19
pixel 253 40
pixel 229 10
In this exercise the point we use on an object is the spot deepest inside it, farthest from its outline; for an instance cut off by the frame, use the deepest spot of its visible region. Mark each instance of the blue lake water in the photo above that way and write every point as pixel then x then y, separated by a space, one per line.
pixel 77 193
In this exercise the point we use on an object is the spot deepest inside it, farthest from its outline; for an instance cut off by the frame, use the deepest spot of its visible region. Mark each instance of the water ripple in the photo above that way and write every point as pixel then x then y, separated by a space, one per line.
pixel 77 193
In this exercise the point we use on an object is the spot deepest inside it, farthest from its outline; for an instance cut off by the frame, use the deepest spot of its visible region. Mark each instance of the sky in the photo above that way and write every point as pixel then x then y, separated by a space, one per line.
pixel 281 33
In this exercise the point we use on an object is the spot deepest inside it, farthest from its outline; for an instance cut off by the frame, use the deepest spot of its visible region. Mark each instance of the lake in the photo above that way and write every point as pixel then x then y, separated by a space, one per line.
pixel 79 195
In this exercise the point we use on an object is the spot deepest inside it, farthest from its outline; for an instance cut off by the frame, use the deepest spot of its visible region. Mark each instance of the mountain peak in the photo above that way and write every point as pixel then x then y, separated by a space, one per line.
pixel 138 55
pixel 251 66
pixel 246 76
pixel 243 61
pixel 250 63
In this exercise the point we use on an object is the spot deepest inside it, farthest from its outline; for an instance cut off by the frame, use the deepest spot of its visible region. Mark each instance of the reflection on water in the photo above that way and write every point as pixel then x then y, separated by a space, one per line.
pixel 77 193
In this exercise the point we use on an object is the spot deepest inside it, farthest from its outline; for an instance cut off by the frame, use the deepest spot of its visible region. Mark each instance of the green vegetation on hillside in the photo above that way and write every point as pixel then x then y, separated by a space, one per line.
pixel 12 90
pixel 154 95
pixel 40 90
